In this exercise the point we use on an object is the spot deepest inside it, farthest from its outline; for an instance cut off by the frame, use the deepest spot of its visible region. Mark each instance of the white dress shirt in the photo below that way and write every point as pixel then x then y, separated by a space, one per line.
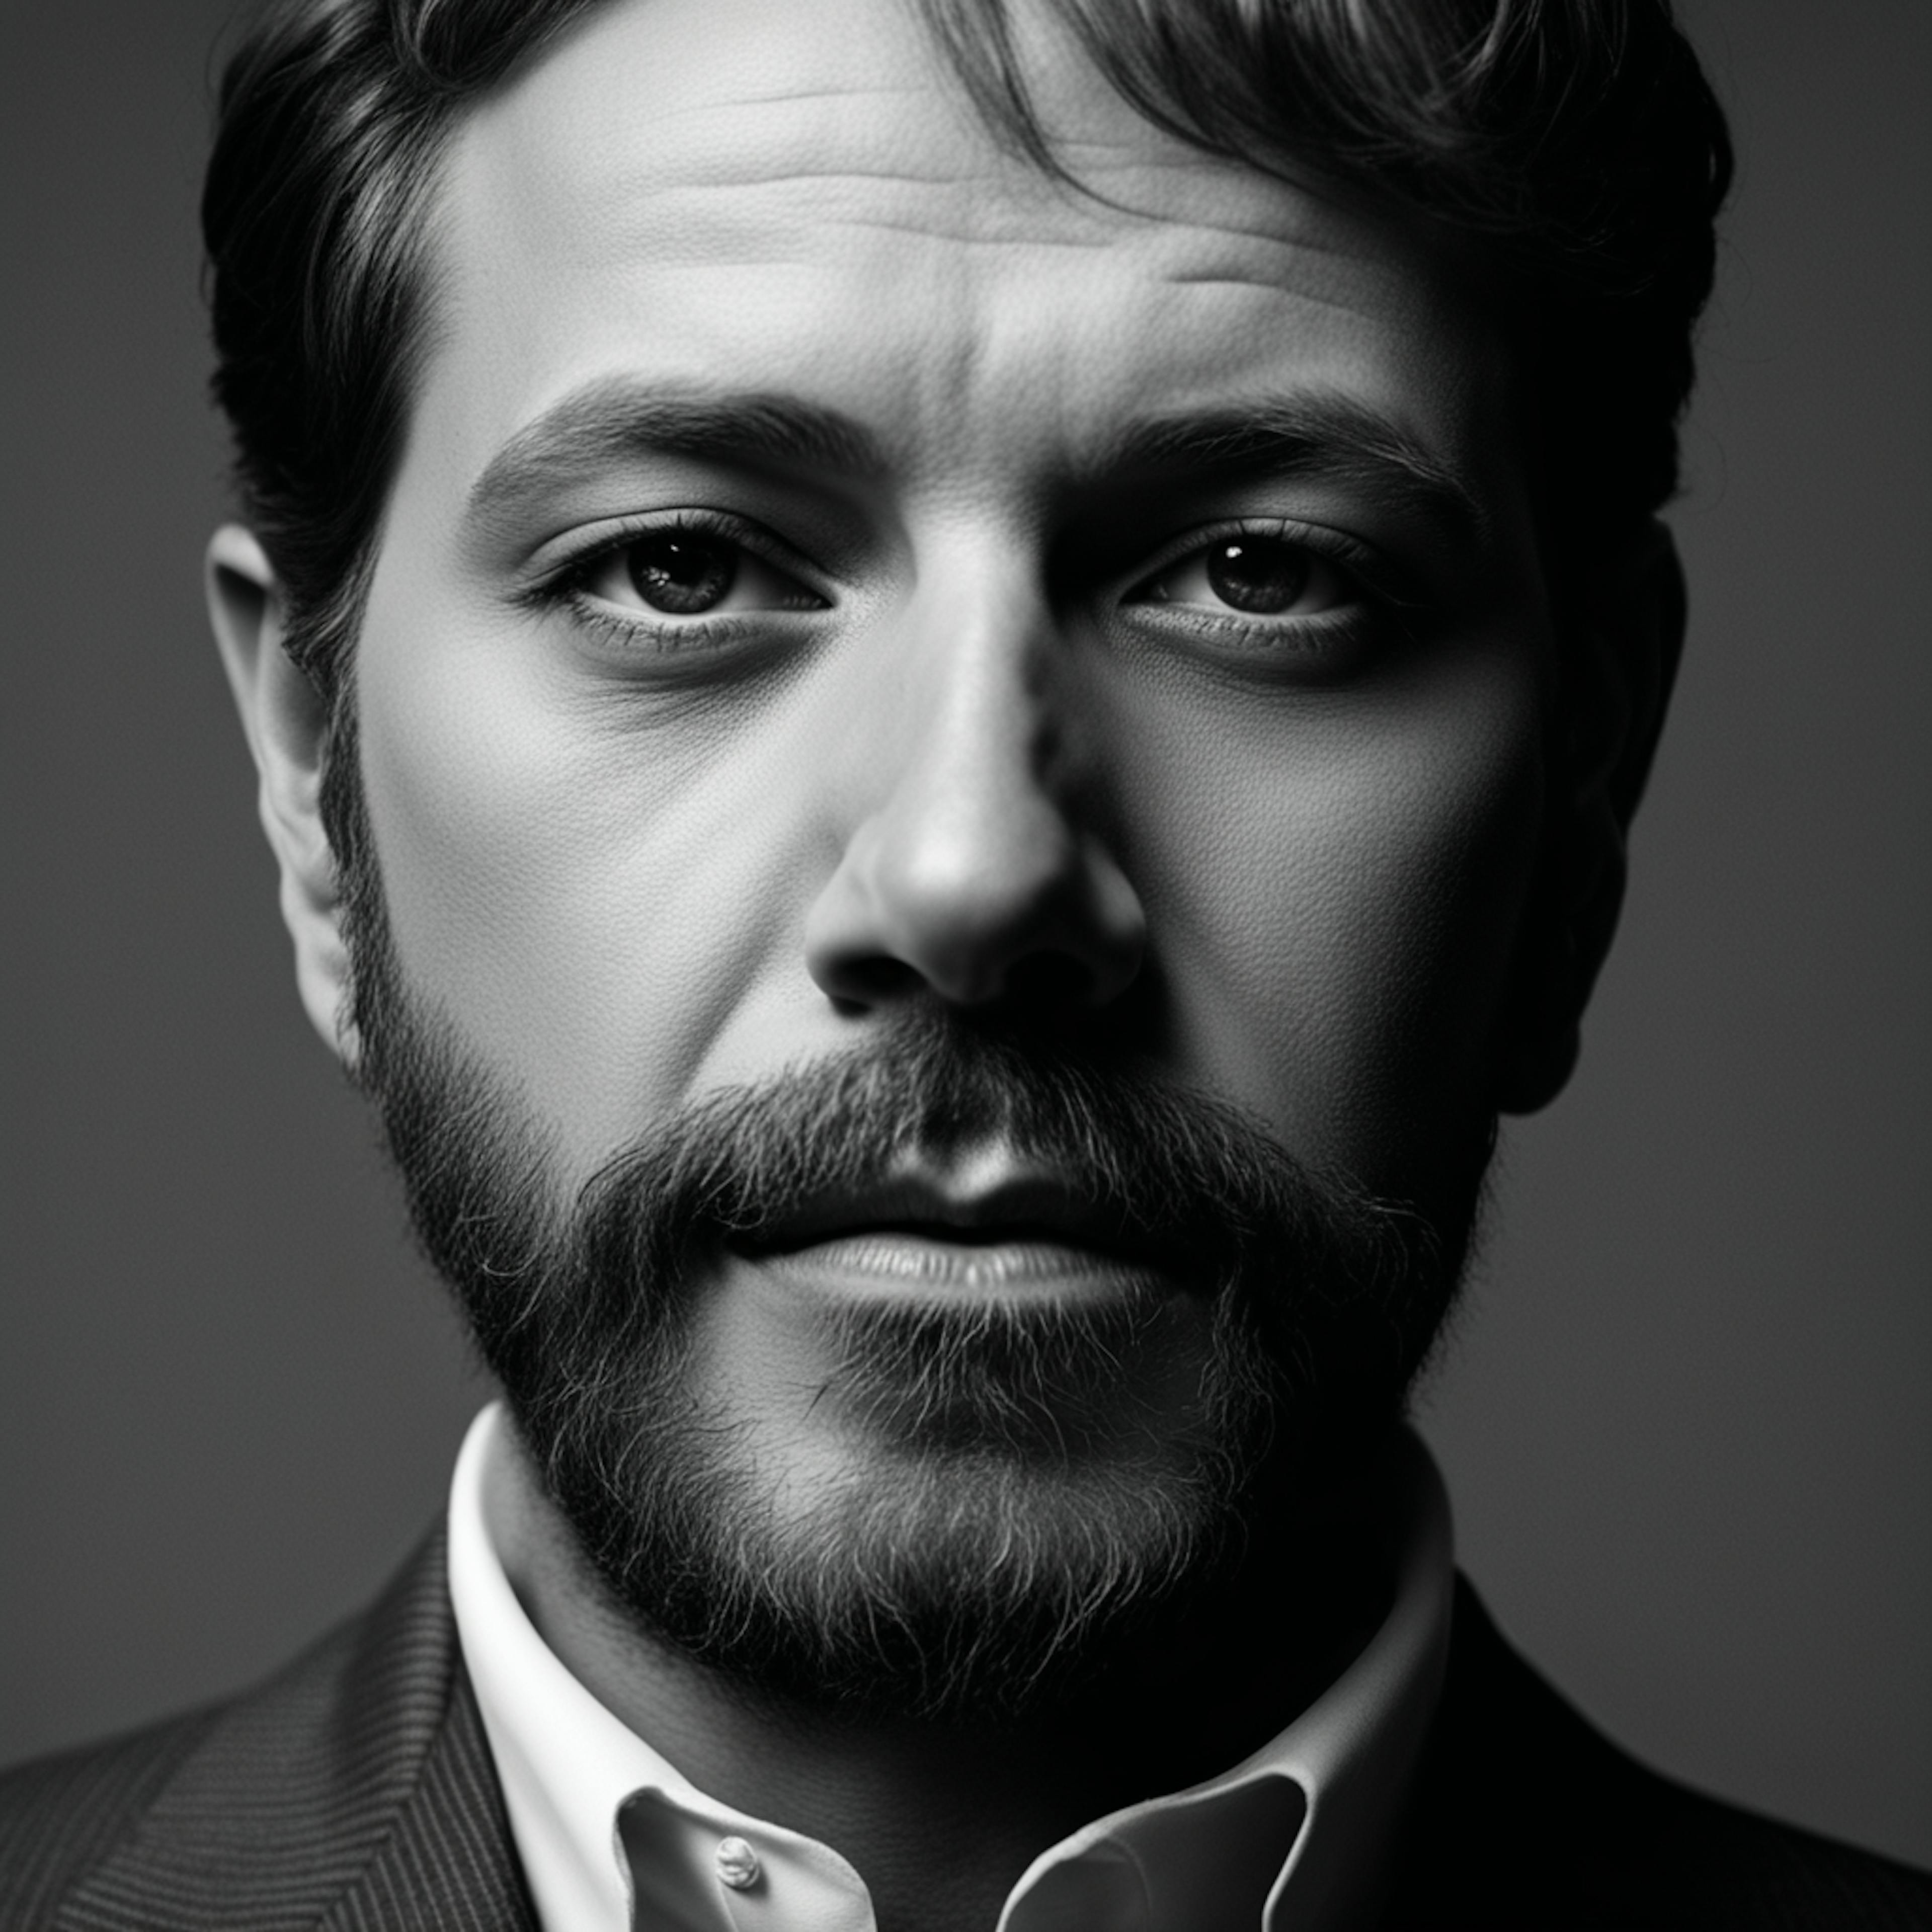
pixel 614 1839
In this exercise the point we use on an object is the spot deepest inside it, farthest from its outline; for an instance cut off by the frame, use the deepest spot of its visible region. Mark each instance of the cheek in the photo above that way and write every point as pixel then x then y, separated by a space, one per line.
pixel 1339 888
pixel 575 885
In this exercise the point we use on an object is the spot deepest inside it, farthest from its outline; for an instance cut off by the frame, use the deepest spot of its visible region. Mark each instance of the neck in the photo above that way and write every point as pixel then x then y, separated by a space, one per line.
pixel 889 1792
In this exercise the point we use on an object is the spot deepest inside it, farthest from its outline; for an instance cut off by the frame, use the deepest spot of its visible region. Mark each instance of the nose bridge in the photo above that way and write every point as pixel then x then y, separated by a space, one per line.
pixel 972 857
pixel 984 767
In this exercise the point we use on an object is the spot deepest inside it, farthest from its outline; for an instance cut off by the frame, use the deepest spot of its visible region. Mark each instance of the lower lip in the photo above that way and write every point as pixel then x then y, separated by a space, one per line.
pixel 891 1263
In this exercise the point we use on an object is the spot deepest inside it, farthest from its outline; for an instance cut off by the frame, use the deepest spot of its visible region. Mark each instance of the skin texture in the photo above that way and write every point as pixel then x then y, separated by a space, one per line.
pixel 974 728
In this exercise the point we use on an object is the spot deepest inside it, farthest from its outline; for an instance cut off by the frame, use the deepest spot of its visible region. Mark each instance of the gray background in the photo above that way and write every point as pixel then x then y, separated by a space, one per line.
pixel 1687 1422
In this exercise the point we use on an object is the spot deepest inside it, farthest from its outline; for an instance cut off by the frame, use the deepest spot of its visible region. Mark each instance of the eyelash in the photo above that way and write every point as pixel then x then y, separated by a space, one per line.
pixel 1379 611
pixel 565 584
pixel 1362 568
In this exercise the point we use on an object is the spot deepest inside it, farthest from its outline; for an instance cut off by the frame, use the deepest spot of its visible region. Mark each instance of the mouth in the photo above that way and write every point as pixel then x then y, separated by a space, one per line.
pixel 980 1229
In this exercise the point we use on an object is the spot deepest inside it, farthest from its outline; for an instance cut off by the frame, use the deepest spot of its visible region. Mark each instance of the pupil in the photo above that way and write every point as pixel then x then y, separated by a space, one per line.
pixel 1261 574
pixel 681 574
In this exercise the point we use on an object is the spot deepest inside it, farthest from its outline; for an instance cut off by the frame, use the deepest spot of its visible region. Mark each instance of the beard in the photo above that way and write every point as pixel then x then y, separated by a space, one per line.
pixel 1019 1515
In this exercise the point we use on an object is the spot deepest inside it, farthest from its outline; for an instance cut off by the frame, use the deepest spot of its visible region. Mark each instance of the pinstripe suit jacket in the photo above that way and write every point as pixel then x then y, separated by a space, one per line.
pixel 355 1792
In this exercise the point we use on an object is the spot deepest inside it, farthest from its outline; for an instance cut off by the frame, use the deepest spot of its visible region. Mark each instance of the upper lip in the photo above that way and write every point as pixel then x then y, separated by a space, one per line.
pixel 1015 1208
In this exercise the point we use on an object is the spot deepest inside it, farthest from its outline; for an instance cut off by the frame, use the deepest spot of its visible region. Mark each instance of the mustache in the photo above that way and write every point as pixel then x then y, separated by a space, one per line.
pixel 1307 1253
pixel 1167 1168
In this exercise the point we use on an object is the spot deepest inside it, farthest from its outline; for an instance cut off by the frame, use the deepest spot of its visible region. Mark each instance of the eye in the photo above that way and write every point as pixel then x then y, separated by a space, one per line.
pixel 1257 576
pixel 680 574
pixel 684 571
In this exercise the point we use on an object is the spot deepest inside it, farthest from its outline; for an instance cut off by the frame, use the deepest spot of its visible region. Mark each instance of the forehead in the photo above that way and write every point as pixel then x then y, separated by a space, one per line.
pixel 793 196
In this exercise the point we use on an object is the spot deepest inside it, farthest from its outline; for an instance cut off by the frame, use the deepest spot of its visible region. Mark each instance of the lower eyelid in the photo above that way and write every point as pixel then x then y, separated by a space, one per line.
pixel 638 634
pixel 1338 620
pixel 1326 643
pixel 639 631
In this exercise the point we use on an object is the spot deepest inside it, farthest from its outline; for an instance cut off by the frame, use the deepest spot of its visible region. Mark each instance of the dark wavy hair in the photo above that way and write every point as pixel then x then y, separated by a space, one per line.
pixel 1572 148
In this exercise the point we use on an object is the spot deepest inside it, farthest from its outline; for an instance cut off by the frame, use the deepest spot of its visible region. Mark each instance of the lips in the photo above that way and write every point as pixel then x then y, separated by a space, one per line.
pixel 966 1228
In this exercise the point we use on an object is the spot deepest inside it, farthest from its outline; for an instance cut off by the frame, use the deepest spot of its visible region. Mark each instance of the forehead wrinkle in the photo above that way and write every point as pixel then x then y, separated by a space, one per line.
pixel 813 140
pixel 1216 180
pixel 971 211
pixel 785 96
pixel 961 238
pixel 1229 276
pixel 883 135
pixel 709 137
pixel 651 207
pixel 1099 196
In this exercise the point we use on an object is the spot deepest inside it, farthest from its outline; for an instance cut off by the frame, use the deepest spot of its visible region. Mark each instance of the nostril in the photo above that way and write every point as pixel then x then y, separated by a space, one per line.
pixel 1048 981
pixel 874 979
pixel 1043 982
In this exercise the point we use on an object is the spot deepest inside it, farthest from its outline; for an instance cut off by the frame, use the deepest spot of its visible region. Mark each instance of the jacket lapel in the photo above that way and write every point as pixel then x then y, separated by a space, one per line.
pixel 355 1790
pixel 448 1860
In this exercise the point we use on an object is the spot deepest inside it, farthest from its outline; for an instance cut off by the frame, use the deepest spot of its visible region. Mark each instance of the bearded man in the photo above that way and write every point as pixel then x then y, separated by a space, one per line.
pixel 948 695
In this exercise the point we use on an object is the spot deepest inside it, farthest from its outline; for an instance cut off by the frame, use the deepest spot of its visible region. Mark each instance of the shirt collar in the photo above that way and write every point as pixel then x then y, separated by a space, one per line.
pixel 1292 1840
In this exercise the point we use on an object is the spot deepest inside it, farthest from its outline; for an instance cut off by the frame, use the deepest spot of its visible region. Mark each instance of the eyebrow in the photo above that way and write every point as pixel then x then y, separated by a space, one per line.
pixel 1324 435
pixel 615 420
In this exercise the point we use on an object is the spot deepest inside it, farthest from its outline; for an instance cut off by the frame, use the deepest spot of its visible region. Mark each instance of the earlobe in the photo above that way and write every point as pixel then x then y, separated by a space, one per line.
pixel 285 719
pixel 1620 662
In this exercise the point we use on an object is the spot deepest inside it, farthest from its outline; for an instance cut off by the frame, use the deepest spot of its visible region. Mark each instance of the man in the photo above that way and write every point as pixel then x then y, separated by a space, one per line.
pixel 947 700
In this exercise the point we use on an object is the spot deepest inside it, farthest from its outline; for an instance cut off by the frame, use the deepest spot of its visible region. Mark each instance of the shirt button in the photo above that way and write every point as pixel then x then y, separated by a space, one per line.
pixel 737 1864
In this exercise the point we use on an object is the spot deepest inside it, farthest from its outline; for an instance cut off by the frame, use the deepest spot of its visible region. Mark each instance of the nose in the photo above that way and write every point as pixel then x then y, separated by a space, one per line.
pixel 975 876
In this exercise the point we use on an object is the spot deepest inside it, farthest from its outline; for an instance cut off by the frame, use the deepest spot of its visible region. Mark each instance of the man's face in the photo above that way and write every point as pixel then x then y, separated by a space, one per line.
pixel 838 576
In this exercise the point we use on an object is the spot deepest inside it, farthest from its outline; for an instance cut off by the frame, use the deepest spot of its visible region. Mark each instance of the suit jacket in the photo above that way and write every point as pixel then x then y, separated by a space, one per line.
pixel 355 1791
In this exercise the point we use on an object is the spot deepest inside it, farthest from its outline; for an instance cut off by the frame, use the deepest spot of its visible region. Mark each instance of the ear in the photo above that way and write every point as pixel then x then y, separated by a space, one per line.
pixel 285 719
pixel 1617 665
